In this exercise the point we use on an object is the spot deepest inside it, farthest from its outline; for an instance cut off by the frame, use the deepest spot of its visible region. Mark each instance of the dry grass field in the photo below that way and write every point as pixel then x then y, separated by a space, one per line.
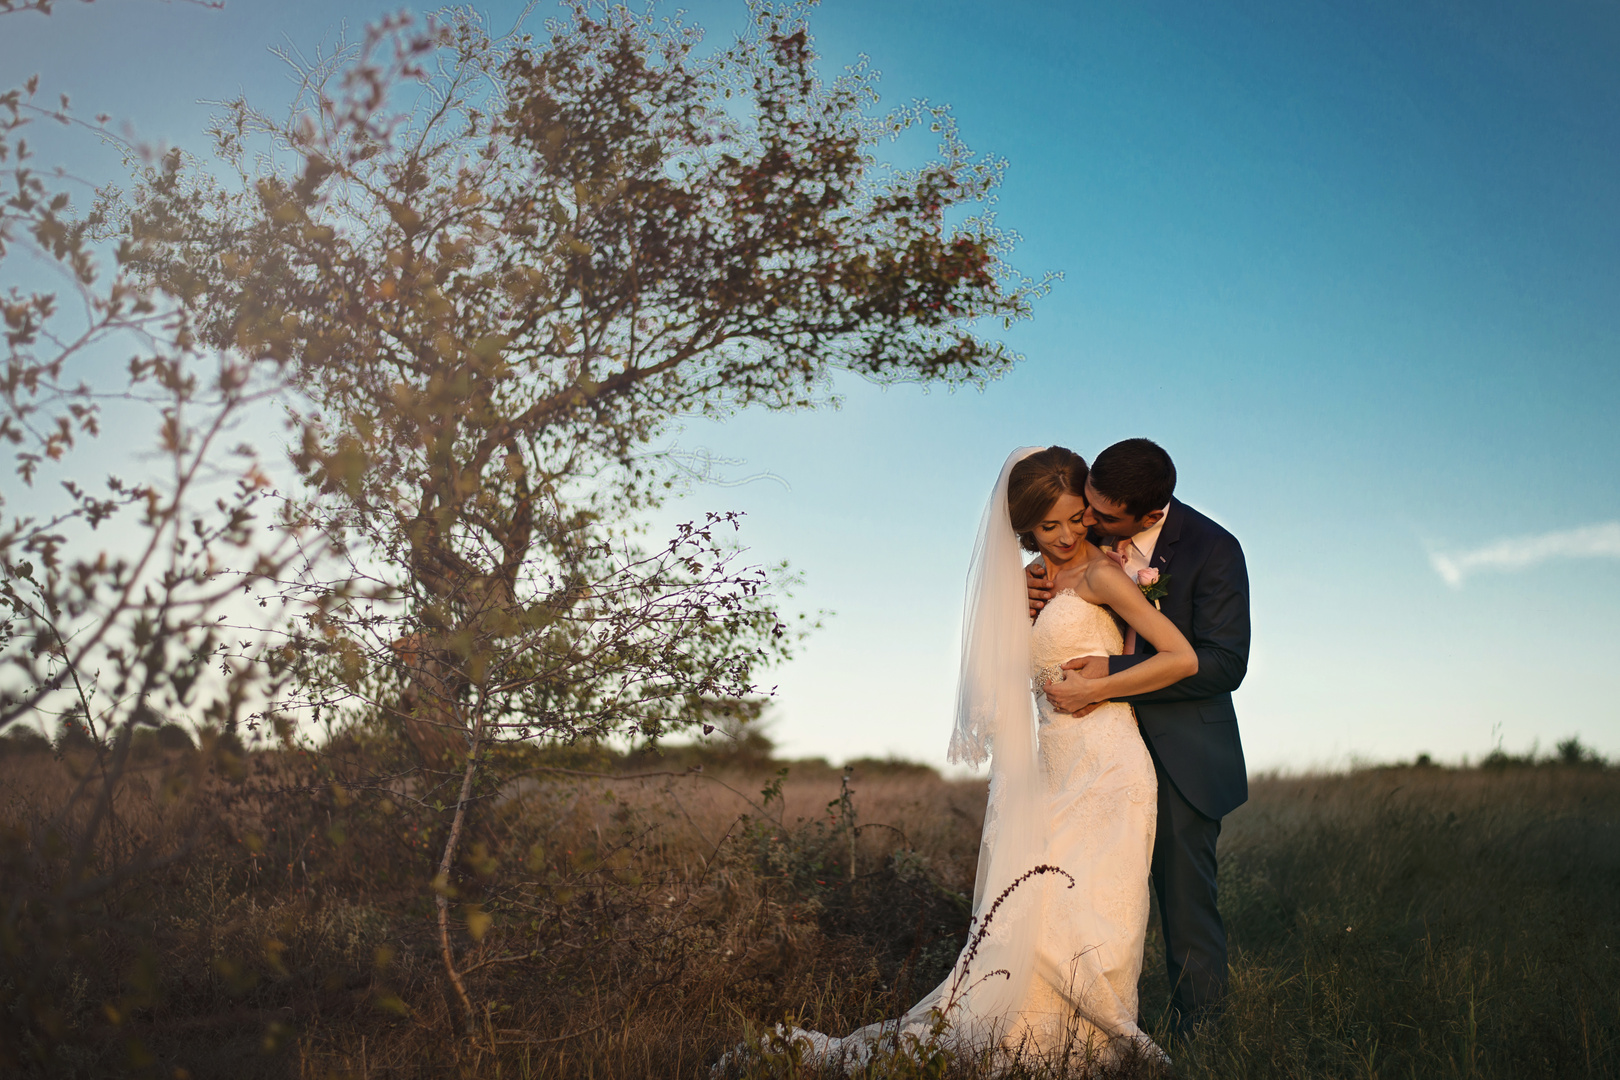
pixel 1391 922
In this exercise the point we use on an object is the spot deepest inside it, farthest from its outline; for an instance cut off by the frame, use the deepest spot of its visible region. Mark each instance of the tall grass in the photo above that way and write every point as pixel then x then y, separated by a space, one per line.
pixel 1401 922
pixel 1423 922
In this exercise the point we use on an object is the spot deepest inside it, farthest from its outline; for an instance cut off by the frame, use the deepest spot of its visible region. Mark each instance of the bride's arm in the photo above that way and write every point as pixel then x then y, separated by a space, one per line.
pixel 1174 660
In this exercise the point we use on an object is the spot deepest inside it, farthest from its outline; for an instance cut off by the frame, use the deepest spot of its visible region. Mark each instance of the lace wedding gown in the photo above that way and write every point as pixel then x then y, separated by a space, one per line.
pixel 1101 808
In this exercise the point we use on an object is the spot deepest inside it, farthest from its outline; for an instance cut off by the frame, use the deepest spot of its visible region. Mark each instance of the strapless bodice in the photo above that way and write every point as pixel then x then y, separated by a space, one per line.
pixel 1069 627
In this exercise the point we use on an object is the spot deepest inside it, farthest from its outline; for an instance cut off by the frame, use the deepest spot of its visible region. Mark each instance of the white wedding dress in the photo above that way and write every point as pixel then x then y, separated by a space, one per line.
pixel 1100 807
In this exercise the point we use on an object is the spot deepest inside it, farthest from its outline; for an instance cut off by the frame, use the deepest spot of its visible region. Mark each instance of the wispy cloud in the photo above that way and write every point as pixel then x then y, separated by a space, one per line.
pixel 1520 553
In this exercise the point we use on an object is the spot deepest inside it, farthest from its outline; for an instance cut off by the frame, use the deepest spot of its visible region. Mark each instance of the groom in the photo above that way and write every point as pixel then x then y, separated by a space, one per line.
pixel 1190 727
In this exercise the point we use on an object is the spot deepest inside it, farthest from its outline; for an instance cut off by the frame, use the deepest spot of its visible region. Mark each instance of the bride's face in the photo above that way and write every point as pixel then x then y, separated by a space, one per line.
pixel 1060 532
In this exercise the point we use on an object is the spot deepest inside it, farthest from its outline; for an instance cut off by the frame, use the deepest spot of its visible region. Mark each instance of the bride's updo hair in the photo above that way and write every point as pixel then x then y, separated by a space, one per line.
pixel 1039 481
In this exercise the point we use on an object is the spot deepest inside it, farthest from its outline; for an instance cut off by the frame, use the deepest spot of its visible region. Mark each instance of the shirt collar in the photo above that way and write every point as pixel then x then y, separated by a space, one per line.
pixel 1148 538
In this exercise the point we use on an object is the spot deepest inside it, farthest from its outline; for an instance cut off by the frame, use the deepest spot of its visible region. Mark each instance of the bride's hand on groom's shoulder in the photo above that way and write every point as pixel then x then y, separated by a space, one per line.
pixel 1040 589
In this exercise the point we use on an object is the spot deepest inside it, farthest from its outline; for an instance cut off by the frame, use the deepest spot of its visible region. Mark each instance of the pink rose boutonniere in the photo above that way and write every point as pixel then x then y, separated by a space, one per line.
pixel 1154 585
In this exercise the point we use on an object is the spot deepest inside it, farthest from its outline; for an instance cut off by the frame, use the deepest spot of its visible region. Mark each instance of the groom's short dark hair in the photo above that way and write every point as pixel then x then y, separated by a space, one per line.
pixel 1136 473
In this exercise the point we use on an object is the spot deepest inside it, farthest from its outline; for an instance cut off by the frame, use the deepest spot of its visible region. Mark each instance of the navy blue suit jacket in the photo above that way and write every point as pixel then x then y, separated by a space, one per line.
pixel 1191 725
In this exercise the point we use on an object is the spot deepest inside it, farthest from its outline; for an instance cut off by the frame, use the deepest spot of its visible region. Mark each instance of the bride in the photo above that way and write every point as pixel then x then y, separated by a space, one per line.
pixel 1060 903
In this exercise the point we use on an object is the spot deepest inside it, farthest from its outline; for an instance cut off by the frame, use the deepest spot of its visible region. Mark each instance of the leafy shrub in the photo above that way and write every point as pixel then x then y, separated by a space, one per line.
pixel 1572 751
pixel 150 743
pixel 72 736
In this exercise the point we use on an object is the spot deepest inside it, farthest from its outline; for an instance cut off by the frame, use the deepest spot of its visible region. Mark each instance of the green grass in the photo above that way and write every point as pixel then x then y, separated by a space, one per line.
pixel 1424 923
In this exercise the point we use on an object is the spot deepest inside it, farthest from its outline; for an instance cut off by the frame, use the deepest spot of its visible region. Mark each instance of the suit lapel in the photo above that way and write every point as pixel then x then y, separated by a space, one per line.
pixel 1165 549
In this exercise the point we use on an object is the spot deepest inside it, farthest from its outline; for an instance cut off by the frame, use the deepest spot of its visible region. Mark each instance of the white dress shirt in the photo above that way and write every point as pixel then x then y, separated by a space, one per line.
pixel 1139 548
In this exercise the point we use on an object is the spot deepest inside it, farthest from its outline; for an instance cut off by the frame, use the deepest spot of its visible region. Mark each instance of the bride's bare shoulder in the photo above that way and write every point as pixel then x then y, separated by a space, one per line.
pixel 1103 575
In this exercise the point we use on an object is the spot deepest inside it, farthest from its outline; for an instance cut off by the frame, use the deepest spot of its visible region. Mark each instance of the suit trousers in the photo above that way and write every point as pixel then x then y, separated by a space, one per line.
pixel 1184 884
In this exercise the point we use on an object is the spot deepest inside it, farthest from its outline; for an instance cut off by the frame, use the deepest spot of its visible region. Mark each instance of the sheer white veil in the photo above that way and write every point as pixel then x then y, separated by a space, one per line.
pixel 995 718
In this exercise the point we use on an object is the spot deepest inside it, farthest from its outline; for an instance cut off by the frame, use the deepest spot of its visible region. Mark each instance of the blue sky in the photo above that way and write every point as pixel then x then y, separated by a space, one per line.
pixel 1355 265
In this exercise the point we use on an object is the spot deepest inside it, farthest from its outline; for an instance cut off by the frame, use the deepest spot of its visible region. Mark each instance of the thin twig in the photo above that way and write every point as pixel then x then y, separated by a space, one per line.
pixel 525 1037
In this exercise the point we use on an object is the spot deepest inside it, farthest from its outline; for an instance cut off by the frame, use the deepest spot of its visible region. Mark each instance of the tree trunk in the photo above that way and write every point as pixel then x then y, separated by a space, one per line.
pixel 475 753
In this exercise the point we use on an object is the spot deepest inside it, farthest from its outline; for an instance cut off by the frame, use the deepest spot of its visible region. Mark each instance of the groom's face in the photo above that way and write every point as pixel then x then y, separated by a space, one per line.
pixel 1111 518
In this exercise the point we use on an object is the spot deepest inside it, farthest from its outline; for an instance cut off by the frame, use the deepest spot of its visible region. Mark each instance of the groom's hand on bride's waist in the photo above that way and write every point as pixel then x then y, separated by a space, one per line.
pixel 1090 667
